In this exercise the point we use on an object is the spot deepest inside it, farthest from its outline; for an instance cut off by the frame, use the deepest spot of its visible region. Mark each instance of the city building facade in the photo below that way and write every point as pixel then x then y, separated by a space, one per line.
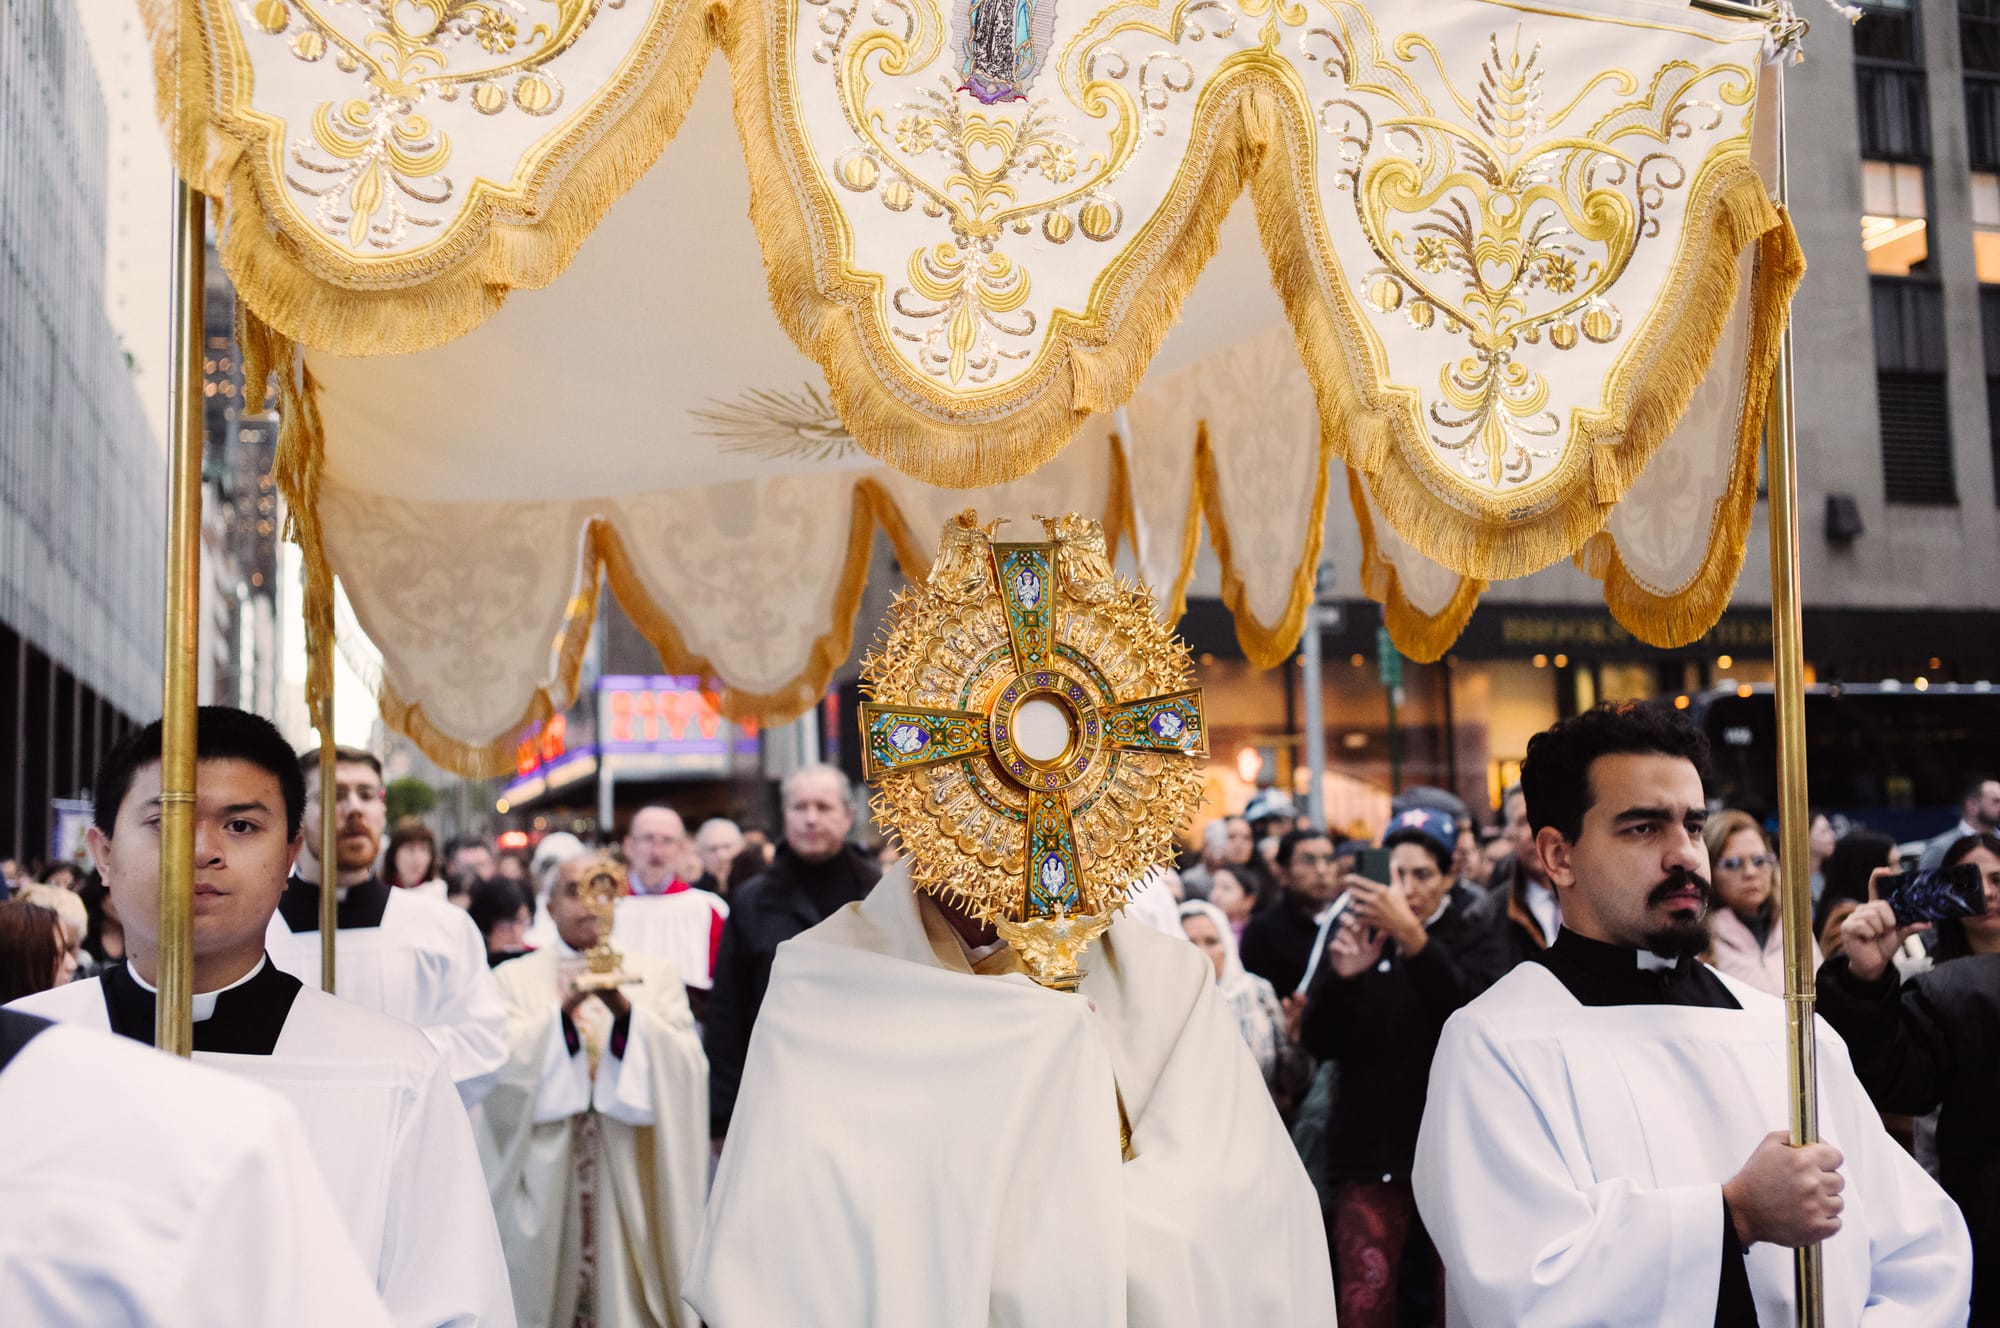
pixel 82 474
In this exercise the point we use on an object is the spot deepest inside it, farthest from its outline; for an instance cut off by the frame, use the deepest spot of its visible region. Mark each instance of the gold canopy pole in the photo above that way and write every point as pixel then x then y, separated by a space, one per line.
pixel 329 824
pixel 173 1015
pixel 1788 655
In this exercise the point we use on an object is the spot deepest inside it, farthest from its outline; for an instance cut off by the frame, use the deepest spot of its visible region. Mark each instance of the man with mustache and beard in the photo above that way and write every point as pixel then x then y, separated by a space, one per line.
pixel 418 960
pixel 1601 1139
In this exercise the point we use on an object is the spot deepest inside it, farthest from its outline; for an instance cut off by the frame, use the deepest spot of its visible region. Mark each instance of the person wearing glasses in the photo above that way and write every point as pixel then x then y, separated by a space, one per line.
pixel 1746 932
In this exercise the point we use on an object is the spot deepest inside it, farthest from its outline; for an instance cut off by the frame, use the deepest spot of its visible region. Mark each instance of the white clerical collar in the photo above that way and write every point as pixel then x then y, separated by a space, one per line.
pixel 1649 962
pixel 204 1001
pixel 1443 904
pixel 1544 907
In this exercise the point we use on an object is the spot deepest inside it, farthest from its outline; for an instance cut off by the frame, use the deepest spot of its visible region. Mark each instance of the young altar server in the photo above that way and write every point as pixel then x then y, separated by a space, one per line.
pixel 142 1190
pixel 384 1122
pixel 1603 1140
pixel 595 1140
pixel 419 960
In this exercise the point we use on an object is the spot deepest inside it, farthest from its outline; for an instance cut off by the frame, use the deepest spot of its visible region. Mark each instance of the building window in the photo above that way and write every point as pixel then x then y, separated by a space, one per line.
pixel 1890 88
pixel 1914 410
pixel 1979 48
pixel 1893 213
pixel 1986 224
pixel 1989 319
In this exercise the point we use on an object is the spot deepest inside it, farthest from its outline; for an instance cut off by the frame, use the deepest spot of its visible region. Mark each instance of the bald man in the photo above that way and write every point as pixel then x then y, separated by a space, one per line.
pixel 667 916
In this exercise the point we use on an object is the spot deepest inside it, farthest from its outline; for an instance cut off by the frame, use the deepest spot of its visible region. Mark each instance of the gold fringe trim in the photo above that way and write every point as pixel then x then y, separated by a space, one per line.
pixel 1197 499
pixel 1121 518
pixel 833 321
pixel 1264 645
pixel 341 306
pixel 1727 210
pixel 1685 615
pixel 828 652
pixel 493 759
pixel 297 471
pixel 1251 121
pixel 1422 636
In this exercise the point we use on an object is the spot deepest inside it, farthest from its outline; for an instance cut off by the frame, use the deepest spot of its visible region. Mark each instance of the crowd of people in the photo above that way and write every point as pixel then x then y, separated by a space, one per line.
pixel 552 1126
pixel 1342 986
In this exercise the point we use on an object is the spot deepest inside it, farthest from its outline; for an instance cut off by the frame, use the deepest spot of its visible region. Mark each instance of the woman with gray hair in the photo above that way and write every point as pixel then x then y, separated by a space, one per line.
pixel 543 869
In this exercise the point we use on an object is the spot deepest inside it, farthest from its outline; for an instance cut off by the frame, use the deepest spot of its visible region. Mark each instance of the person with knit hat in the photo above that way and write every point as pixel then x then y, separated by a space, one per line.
pixel 1408 953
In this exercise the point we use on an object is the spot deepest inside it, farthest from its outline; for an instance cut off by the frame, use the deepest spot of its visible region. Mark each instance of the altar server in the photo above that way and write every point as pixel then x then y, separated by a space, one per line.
pixel 595 1140
pixel 1603 1142
pixel 932 1141
pixel 664 914
pixel 383 1119
pixel 419 960
pixel 143 1191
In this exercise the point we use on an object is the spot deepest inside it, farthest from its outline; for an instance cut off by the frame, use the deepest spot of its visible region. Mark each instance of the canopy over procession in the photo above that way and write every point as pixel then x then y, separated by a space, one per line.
pixel 978 1038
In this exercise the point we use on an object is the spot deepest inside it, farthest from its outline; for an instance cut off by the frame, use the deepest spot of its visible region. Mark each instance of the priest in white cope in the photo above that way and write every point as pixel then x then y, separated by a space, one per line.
pixel 143 1191
pixel 415 959
pixel 383 1119
pixel 925 1138
pixel 595 1140
pixel 1603 1139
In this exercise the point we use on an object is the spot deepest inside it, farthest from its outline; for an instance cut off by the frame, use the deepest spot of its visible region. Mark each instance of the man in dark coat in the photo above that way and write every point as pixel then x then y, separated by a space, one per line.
pixel 1278 940
pixel 815 872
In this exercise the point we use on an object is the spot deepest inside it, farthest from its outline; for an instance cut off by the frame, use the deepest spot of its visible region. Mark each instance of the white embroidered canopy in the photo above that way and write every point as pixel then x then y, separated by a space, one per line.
pixel 1512 264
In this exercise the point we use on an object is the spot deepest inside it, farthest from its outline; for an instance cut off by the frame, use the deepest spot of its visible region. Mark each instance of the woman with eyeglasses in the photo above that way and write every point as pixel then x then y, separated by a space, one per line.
pixel 1745 934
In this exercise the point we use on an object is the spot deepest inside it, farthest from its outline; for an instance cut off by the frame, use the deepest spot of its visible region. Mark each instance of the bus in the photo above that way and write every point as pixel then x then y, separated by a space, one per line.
pixel 1887 755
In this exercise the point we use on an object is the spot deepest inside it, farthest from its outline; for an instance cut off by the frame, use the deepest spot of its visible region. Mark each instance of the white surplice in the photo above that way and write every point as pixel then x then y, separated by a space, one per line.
pixel 1571 1162
pixel 392 1142
pixel 624 1154
pixel 683 928
pixel 425 965
pixel 920 1146
pixel 139 1190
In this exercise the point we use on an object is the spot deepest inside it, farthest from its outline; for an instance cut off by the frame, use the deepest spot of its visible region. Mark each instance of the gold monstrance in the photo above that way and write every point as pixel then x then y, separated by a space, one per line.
pixel 1032 735
pixel 600 889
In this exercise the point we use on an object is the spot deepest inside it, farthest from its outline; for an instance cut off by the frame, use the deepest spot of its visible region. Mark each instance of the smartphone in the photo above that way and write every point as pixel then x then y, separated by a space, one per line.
pixel 1373 865
pixel 1957 891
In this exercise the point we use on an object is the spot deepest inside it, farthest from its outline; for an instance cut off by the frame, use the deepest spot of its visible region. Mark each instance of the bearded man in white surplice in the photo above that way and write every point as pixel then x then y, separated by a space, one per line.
pixel 1600 1145
pixel 595 1140
pixel 419 960
pixel 927 1139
